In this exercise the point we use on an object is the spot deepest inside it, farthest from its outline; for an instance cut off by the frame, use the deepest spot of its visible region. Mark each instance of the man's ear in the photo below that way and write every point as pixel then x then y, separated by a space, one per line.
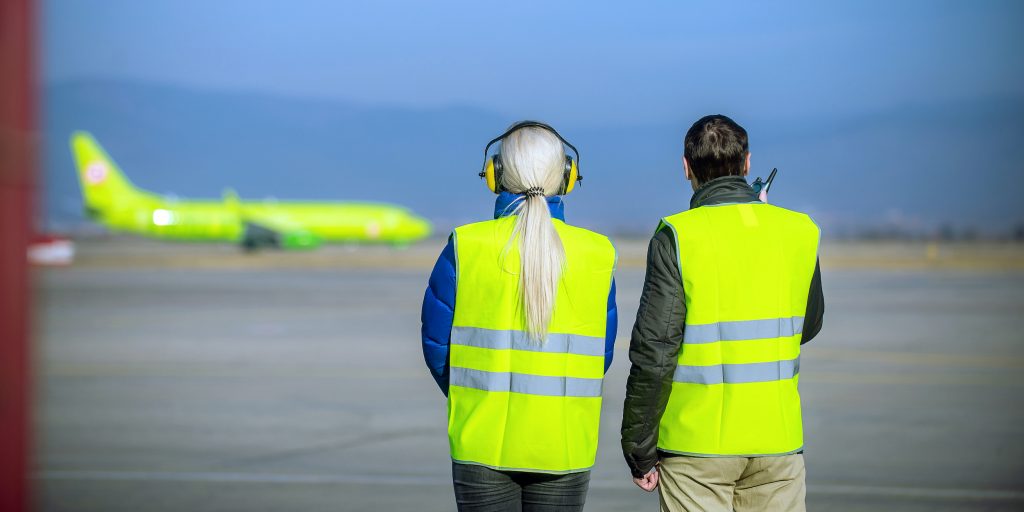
pixel 746 165
pixel 686 169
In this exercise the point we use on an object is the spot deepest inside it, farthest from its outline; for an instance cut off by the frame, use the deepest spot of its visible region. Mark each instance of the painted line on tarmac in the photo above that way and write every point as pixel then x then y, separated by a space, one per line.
pixel 217 371
pixel 1012 362
pixel 248 478
pixel 928 379
pixel 915 492
pixel 424 480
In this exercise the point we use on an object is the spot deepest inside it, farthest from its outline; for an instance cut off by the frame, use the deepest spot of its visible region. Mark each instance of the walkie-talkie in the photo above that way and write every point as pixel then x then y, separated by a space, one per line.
pixel 761 187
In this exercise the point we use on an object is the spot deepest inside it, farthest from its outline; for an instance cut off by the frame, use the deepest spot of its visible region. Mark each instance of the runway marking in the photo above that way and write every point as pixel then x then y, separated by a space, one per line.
pixel 914 358
pixel 929 379
pixel 916 492
pixel 425 481
pixel 229 477
pixel 159 371
pixel 181 371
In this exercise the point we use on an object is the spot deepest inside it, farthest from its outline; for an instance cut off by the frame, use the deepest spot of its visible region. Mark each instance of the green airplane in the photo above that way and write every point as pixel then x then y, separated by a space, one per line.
pixel 114 202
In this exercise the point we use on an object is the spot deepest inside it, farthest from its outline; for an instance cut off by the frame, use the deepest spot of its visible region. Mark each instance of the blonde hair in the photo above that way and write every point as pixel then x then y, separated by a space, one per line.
pixel 534 158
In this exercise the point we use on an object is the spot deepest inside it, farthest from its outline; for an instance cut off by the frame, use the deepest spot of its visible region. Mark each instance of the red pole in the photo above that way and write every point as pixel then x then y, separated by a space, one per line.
pixel 18 141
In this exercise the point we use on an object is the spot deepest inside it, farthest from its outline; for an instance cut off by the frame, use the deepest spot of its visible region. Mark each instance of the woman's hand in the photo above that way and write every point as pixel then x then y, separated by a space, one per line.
pixel 649 482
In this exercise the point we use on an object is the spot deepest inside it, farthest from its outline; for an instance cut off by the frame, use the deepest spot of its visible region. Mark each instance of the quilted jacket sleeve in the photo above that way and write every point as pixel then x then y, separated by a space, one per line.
pixel 611 326
pixel 653 352
pixel 437 315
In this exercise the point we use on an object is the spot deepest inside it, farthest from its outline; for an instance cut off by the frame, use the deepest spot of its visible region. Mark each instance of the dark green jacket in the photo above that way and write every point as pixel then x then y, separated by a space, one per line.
pixel 658 332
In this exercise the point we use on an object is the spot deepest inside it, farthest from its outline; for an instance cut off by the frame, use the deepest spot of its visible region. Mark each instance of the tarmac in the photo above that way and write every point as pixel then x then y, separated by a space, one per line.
pixel 173 378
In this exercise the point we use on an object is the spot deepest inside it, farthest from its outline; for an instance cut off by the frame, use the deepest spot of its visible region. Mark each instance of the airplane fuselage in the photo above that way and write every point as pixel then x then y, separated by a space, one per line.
pixel 112 200
pixel 297 223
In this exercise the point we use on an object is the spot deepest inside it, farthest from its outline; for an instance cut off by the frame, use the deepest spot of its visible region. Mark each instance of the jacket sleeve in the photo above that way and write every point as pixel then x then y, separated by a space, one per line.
pixel 815 314
pixel 611 326
pixel 653 352
pixel 437 315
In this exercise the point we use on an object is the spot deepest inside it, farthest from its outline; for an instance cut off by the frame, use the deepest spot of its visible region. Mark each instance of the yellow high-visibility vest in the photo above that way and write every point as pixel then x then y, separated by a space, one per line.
pixel 516 403
pixel 746 271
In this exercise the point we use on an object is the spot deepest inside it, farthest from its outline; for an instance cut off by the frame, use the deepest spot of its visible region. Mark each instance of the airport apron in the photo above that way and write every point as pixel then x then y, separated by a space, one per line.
pixel 516 403
pixel 746 271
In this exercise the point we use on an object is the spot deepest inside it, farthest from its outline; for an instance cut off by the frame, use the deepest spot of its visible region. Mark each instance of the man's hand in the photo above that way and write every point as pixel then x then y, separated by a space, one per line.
pixel 649 482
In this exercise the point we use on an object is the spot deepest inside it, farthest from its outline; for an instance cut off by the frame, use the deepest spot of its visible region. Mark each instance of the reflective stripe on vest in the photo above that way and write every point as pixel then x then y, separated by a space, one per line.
pixel 746 271
pixel 738 373
pixel 743 330
pixel 525 383
pixel 518 340
pixel 513 402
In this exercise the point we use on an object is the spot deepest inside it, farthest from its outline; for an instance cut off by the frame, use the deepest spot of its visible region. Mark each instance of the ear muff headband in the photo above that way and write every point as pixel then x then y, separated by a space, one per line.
pixel 492 170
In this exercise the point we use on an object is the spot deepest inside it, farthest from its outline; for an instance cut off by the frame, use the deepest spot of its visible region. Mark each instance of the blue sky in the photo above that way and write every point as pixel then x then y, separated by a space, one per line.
pixel 587 62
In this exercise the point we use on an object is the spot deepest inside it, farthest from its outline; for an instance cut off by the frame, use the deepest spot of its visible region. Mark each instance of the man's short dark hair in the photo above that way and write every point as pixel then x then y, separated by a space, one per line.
pixel 715 146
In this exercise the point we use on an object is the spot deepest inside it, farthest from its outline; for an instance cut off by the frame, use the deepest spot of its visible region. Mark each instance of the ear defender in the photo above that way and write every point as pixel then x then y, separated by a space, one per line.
pixel 492 170
pixel 492 174
pixel 571 176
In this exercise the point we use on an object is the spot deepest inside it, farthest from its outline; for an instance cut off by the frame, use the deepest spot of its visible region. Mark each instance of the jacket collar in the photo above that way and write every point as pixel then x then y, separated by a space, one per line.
pixel 507 202
pixel 725 189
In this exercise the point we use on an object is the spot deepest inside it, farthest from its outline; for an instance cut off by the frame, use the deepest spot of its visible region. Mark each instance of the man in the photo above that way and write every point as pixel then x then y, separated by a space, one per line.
pixel 732 291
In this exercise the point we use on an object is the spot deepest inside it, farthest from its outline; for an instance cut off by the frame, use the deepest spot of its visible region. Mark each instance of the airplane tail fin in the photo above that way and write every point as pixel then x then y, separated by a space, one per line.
pixel 103 184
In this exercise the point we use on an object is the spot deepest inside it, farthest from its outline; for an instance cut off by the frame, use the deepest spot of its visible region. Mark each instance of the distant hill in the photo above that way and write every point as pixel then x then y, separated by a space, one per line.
pixel 913 166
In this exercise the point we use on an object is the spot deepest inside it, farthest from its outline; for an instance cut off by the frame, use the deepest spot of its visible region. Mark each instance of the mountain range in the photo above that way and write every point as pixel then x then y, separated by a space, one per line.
pixel 913 167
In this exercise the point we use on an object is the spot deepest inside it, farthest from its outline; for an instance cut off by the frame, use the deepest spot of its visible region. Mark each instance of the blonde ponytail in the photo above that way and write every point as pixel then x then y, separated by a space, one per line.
pixel 533 160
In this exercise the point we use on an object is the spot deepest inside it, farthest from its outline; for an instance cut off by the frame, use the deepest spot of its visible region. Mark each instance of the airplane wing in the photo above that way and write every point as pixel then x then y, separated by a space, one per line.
pixel 277 230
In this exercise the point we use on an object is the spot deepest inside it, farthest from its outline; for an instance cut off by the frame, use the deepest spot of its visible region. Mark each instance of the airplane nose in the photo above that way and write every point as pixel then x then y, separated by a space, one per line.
pixel 421 228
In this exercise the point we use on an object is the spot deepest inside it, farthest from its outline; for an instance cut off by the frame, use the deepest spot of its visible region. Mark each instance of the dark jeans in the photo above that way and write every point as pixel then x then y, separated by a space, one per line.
pixel 481 489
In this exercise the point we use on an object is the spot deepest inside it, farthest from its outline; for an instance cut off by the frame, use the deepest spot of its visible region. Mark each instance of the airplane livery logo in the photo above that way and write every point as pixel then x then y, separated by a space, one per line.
pixel 96 173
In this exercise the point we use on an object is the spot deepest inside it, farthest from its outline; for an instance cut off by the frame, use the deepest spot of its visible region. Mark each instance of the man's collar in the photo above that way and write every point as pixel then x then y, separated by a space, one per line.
pixel 725 189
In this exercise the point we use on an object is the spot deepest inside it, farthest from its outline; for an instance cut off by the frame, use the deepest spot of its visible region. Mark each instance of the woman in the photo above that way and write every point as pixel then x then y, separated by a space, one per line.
pixel 518 328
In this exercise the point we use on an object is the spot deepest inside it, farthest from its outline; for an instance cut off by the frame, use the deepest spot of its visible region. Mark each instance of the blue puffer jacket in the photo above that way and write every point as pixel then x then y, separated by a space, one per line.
pixel 439 300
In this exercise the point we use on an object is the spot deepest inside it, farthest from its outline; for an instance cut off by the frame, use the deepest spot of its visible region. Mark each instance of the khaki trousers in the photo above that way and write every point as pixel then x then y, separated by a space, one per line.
pixel 713 484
